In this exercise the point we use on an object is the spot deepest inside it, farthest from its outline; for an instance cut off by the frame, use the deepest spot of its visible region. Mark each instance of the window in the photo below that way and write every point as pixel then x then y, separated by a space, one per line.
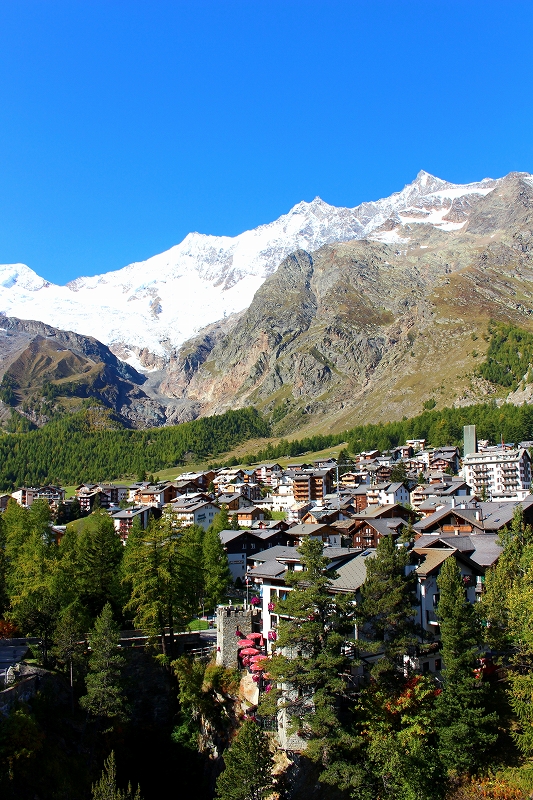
pixel 425 666
pixel 438 664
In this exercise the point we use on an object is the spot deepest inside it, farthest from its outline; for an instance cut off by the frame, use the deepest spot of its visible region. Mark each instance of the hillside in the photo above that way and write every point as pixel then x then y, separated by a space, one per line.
pixel 369 331
pixel 47 372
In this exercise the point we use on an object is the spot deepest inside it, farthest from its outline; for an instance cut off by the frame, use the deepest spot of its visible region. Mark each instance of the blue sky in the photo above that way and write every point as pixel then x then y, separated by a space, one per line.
pixel 125 124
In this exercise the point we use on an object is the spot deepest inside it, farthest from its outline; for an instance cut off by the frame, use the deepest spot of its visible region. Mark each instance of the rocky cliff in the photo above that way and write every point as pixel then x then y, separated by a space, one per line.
pixel 371 329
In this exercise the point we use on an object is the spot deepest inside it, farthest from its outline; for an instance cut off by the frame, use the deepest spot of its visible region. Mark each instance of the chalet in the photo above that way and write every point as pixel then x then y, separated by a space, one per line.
pixel 473 518
pixel 233 500
pixel 201 480
pixel 123 520
pixel 326 533
pixel 416 444
pixel 324 516
pixel 117 493
pixel 270 525
pixel 443 490
pixel 374 529
pixel 268 473
pixel 483 550
pixel 427 563
pixel 238 545
pixel 269 568
pixel 248 515
pixel 89 500
pixel 156 495
pixel 249 491
pixel 325 463
pixel 26 495
pixel 384 494
pixel 195 513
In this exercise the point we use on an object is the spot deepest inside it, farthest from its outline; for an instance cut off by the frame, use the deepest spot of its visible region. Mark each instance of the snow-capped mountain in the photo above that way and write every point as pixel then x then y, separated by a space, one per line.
pixel 151 307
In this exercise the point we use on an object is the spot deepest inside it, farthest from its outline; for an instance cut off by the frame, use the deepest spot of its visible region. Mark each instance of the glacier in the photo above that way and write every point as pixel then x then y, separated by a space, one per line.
pixel 153 306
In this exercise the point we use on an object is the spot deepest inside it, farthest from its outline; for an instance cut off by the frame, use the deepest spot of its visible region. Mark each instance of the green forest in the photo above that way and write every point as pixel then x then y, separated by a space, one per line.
pixel 95 697
pixel 438 428
pixel 120 723
pixel 509 356
pixel 75 449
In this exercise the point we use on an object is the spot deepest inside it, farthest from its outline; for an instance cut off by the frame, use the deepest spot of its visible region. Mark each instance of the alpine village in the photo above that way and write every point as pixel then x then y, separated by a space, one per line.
pixel 292 556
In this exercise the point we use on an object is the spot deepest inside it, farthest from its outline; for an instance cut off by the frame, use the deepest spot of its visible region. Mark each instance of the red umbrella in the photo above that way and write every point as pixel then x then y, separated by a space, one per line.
pixel 260 657
pixel 249 651
pixel 257 668
pixel 254 636
pixel 246 643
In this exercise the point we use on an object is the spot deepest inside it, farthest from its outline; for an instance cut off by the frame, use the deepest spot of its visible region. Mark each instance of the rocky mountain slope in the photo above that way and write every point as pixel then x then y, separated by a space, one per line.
pixel 45 370
pixel 372 329
pixel 146 310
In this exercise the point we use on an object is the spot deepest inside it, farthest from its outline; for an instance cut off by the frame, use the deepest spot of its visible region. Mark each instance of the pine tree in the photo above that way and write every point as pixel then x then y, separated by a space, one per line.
pixel 217 574
pixel 314 628
pixel 466 731
pixel 248 766
pixel 386 610
pixel 106 788
pixel 221 521
pixel 512 565
pixel 398 472
pixel 105 697
pixel 98 556
pixel 162 565
pixel 69 641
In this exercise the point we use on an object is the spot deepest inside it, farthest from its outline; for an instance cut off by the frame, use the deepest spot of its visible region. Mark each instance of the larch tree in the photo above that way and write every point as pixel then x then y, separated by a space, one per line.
pixel 162 567
pixel 217 574
pixel 310 661
pixel 248 766
pixel 99 553
pixel 106 788
pixel 465 730
pixel 105 696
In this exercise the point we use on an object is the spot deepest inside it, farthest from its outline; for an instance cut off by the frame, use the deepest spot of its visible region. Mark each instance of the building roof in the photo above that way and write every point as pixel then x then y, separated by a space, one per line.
pixel 229 535
pixel 492 516
pixel 268 569
pixel 352 574
pixel 308 529
pixel 279 551
pixel 387 526
pixel 434 557
pixel 482 549
pixel 128 513
pixel 372 512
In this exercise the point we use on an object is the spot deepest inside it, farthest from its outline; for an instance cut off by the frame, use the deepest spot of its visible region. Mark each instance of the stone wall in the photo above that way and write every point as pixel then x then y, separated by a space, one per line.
pixel 229 619
pixel 20 692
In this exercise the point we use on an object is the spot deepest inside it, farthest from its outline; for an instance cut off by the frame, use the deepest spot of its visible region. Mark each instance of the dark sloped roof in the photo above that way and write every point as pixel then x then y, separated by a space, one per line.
pixel 352 574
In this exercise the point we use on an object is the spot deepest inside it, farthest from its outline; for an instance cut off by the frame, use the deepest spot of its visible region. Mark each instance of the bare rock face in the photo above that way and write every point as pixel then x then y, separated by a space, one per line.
pixel 371 326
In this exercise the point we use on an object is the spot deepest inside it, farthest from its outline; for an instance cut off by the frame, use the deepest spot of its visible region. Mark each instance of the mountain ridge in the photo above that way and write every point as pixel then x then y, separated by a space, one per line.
pixel 146 310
